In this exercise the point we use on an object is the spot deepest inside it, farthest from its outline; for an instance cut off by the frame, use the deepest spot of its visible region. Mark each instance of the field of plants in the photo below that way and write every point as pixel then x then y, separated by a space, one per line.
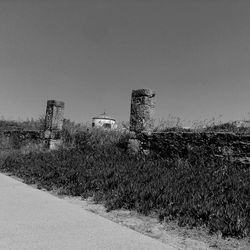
pixel 198 190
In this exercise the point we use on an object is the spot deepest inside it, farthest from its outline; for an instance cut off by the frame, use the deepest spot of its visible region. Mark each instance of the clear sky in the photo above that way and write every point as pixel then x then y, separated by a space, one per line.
pixel 92 53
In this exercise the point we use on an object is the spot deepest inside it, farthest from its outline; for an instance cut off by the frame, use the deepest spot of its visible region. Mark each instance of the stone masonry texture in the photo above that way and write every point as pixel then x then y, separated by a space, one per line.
pixel 54 120
pixel 179 144
pixel 17 138
pixel 142 110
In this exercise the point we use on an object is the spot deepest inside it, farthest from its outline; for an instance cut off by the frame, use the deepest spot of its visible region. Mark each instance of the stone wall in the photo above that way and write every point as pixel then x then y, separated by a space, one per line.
pixel 179 144
pixel 17 138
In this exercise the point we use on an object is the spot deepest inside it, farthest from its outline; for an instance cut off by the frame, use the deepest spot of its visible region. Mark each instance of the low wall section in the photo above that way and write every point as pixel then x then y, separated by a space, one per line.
pixel 172 144
pixel 17 138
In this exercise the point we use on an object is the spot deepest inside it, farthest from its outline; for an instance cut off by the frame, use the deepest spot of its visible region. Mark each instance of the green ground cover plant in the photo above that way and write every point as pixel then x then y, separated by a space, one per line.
pixel 200 190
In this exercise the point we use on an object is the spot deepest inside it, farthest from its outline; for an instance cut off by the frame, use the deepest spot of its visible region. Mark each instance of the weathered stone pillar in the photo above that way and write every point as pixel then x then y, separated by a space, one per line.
pixel 142 110
pixel 53 123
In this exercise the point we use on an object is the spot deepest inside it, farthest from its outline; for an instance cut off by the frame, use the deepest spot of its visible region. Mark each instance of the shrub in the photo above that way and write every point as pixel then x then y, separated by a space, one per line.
pixel 98 138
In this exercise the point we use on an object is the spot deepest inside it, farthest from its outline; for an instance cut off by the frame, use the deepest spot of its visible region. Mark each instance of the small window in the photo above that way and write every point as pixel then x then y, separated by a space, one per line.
pixel 106 125
pixel 93 124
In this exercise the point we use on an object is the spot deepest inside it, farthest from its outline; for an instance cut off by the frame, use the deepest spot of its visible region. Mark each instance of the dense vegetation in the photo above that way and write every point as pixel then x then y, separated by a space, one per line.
pixel 29 124
pixel 200 190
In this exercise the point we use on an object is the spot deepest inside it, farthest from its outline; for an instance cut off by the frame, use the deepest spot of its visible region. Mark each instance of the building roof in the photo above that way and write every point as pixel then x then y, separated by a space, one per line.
pixel 104 116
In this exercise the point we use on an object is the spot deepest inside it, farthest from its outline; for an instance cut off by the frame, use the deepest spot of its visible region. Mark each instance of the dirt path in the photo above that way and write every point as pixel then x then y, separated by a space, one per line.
pixel 169 233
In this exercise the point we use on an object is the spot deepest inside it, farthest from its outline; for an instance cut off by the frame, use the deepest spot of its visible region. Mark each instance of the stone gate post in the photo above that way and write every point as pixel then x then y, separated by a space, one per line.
pixel 142 110
pixel 53 124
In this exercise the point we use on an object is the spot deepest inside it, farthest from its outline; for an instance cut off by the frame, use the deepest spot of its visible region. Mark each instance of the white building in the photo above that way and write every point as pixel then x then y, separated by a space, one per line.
pixel 104 121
